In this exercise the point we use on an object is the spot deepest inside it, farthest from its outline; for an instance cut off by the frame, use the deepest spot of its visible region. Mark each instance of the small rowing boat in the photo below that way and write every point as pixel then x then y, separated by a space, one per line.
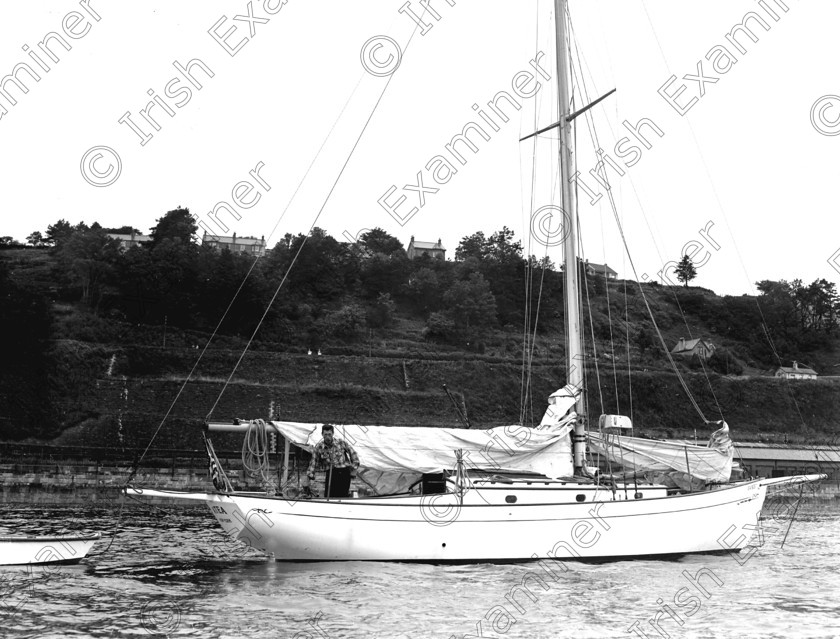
pixel 18 550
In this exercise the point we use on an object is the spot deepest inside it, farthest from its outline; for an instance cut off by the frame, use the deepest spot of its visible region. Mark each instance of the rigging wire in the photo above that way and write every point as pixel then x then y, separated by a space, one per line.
pixel 136 466
pixel 592 333
pixel 525 382
pixel 594 136
pixel 720 207
pixel 530 340
pixel 614 208
pixel 244 280
pixel 306 237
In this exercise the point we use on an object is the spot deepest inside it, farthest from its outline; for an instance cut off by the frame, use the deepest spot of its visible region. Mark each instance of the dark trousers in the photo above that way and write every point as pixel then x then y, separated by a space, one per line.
pixel 337 482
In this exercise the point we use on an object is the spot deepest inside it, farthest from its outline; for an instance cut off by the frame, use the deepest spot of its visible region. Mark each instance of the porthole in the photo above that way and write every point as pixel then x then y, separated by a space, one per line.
pixel 637 496
pixel 580 498
pixel 510 499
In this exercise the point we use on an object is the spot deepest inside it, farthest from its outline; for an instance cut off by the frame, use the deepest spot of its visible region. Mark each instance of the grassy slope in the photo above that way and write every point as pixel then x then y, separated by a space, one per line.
pixel 111 383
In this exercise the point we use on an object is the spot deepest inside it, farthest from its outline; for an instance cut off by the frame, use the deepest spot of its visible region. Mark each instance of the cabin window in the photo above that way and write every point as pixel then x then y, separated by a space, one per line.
pixel 580 498
pixel 637 496
pixel 510 499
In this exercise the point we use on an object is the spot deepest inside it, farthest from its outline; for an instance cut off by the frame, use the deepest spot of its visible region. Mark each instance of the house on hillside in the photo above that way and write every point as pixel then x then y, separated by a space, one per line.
pixel 248 245
pixel 796 372
pixel 703 348
pixel 595 269
pixel 129 240
pixel 600 269
pixel 416 249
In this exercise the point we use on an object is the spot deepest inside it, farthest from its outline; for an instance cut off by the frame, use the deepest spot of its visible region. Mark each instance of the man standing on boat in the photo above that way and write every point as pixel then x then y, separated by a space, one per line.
pixel 340 460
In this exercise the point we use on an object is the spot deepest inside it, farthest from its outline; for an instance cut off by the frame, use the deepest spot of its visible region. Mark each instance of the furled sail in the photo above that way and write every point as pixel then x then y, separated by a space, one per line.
pixel 560 403
pixel 432 450
pixel 712 463
pixel 393 457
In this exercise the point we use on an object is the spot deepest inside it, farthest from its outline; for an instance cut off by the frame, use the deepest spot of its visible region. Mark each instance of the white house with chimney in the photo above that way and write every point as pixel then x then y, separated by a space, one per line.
pixel 248 245
pixel 432 249
pixel 796 372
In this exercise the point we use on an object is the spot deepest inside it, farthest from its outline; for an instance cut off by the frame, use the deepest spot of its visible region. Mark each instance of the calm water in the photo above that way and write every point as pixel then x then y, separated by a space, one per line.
pixel 171 574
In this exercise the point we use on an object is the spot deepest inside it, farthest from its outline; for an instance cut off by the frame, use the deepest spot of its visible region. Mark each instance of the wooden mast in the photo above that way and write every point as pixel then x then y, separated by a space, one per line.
pixel 574 345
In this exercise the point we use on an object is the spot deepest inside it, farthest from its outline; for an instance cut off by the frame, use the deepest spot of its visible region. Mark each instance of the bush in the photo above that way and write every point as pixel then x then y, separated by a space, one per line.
pixel 439 326
pixel 725 363
pixel 344 322
pixel 382 313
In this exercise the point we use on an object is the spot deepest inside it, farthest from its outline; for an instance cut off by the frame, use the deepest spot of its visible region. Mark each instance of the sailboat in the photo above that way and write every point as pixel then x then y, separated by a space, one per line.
pixel 508 493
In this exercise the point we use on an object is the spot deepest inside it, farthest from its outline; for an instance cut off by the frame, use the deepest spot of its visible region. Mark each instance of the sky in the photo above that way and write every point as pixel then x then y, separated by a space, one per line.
pixel 284 114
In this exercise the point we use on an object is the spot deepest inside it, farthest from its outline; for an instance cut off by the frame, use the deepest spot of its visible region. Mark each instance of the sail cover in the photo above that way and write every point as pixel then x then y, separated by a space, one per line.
pixel 392 458
pixel 712 463
pixel 432 450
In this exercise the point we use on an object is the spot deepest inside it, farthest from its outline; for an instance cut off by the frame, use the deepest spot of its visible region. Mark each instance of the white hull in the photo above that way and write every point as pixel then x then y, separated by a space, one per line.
pixel 410 528
pixel 61 549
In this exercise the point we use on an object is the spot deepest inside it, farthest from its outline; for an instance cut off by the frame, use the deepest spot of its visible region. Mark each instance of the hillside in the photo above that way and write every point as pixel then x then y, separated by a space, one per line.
pixel 83 375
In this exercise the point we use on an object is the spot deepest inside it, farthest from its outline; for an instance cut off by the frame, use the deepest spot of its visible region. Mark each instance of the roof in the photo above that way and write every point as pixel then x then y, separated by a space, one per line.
pixel 428 245
pixel 226 239
pixel 821 454
pixel 137 237
pixel 690 344
pixel 755 451
pixel 801 370
pixel 601 268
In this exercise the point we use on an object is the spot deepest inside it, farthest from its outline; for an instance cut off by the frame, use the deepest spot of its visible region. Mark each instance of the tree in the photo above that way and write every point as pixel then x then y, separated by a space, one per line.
pixel 725 363
pixel 439 326
pixel 35 239
pixel 378 241
pixel 177 225
pixel 685 270
pixel 122 230
pixel 381 314
pixel 541 264
pixel 474 245
pixel 345 322
pixel 499 247
pixel 7 240
pixel 644 340
pixel 424 290
pixel 323 268
pixel 58 232
pixel 502 248
pixel 87 258
pixel 471 303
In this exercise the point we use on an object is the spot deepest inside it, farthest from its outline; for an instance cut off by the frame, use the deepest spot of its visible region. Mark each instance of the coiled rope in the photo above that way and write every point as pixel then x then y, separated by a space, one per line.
pixel 255 454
